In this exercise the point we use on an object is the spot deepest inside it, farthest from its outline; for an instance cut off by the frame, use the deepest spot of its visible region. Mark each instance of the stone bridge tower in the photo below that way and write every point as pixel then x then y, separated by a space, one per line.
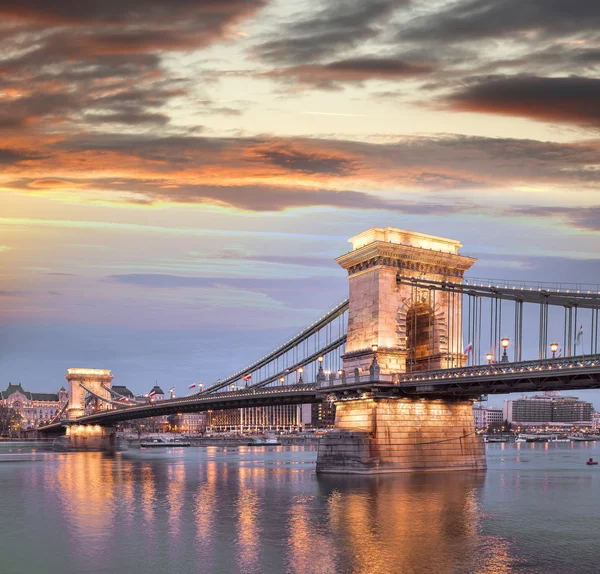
pixel 393 327
pixel 82 380
pixel 414 329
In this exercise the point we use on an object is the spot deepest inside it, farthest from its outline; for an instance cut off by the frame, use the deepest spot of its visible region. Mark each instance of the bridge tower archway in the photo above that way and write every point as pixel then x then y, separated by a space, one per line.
pixel 83 380
pixel 422 338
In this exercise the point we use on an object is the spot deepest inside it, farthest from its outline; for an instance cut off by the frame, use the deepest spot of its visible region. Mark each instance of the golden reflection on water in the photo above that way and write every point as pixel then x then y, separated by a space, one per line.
pixel 310 549
pixel 175 497
pixel 248 520
pixel 148 499
pixel 414 523
pixel 85 484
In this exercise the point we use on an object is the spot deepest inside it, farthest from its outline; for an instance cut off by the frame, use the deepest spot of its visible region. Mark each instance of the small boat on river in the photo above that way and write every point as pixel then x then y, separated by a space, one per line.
pixel 161 442
pixel 264 441
pixel 591 462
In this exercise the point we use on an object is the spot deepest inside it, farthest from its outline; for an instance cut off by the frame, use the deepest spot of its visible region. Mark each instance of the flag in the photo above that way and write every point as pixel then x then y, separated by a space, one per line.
pixel 192 386
pixel 579 335
pixel 468 349
pixel 123 399
pixel 152 394
pixel 247 377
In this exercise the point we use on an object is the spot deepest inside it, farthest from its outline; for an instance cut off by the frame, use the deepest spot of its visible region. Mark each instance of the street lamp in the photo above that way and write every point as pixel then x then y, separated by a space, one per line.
pixel 320 359
pixel 554 348
pixel 489 358
pixel 504 341
pixel 282 380
pixel 374 347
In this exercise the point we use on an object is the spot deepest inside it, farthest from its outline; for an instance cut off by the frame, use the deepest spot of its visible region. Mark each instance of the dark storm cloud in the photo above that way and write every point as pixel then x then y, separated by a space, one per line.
pixel 510 19
pixel 336 26
pixel 571 99
pixel 587 218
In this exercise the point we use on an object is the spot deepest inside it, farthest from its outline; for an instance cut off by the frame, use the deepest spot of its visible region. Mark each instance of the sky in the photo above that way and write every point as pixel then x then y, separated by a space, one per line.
pixel 177 177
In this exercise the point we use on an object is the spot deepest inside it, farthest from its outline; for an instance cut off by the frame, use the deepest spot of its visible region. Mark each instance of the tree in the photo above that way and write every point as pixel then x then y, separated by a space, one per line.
pixel 10 421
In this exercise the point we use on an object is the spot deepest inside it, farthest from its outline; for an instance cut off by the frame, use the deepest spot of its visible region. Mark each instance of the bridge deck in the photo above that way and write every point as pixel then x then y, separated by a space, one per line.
pixel 552 374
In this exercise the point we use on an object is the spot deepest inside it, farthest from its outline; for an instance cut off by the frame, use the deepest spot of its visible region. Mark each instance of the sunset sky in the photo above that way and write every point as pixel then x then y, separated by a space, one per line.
pixel 177 177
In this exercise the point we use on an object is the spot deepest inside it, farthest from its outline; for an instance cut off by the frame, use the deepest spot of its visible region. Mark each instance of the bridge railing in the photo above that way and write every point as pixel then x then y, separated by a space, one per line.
pixel 508 368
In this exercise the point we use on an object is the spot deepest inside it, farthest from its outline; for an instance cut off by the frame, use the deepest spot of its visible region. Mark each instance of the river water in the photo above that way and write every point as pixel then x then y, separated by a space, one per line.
pixel 263 509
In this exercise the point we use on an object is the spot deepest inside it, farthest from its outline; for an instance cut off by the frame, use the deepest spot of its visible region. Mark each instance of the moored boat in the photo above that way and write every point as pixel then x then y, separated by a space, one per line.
pixel 264 441
pixel 160 442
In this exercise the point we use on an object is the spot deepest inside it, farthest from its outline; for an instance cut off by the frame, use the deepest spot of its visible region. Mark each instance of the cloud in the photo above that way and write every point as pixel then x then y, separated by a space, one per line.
pixel 510 19
pixel 587 218
pixel 13 156
pixel 416 175
pixel 68 63
pixel 571 99
pixel 351 70
pixel 336 26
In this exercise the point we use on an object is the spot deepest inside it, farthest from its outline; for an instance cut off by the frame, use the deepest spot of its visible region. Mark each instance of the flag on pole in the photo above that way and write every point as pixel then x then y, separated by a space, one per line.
pixel 579 335
pixel 468 349
pixel 123 399
pixel 192 386
pixel 247 377
pixel 152 394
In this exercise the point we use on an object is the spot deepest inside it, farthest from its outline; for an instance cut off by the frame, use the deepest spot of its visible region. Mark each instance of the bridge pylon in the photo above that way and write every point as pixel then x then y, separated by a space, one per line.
pixel 406 328
pixel 80 382
pixel 395 327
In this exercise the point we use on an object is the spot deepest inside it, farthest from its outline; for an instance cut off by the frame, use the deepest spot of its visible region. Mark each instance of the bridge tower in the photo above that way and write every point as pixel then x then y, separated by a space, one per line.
pixel 395 328
pixel 80 382
pixel 414 329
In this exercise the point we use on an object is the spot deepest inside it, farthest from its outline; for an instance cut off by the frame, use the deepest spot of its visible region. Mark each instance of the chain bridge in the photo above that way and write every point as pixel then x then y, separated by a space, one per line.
pixel 403 358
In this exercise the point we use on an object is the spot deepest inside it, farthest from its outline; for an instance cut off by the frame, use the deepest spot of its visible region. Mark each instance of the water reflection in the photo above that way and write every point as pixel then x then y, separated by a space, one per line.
pixel 251 511
pixel 404 523
pixel 248 520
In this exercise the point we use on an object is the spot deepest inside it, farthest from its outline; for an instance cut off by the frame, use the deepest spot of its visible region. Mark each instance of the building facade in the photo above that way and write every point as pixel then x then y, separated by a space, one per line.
pixel 278 417
pixel 487 416
pixel 34 408
pixel 549 409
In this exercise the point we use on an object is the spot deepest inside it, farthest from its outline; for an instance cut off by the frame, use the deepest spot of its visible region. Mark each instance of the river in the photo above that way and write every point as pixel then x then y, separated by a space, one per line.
pixel 263 509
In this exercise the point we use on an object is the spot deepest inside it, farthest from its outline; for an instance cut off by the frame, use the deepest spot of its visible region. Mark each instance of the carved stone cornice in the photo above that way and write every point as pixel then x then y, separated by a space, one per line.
pixel 404 257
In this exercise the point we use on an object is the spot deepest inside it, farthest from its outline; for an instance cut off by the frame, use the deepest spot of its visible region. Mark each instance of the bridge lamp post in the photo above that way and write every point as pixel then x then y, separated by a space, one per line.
pixel 282 380
pixel 504 341
pixel 554 348
pixel 489 358
pixel 300 371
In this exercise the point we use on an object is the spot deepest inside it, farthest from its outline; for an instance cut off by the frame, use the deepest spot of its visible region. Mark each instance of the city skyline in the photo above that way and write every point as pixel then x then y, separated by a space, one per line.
pixel 177 179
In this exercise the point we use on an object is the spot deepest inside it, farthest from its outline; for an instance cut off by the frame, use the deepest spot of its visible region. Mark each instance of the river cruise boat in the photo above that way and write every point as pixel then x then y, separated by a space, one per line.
pixel 162 442
pixel 264 441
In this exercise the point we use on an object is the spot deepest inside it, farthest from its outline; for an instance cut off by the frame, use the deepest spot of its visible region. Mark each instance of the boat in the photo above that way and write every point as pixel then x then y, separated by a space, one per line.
pixel 591 462
pixel 584 438
pixel 161 442
pixel 264 441
pixel 519 439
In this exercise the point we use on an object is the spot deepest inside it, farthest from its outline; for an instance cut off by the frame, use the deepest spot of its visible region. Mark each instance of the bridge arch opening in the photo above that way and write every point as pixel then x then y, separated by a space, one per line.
pixel 422 338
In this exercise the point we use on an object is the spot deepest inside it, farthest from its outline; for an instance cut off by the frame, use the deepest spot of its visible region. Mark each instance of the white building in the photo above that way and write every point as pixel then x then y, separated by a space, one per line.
pixel 486 416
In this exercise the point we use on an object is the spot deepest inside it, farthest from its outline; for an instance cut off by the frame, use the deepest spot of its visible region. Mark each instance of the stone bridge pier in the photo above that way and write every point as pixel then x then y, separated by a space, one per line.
pixel 394 328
